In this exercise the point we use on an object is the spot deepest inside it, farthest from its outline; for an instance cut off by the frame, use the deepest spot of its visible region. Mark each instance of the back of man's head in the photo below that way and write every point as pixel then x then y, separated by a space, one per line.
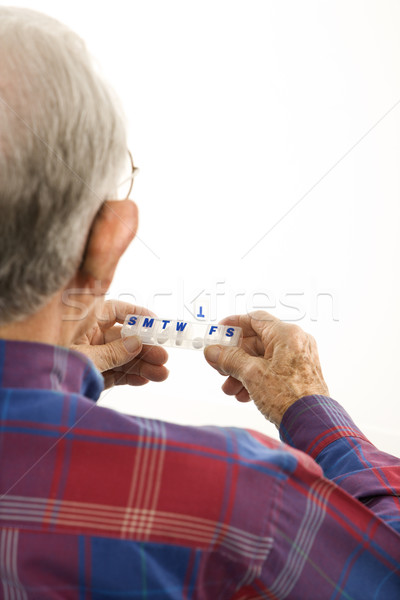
pixel 62 144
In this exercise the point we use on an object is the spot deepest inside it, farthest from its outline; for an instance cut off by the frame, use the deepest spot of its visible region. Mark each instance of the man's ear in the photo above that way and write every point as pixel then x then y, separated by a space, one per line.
pixel 112 231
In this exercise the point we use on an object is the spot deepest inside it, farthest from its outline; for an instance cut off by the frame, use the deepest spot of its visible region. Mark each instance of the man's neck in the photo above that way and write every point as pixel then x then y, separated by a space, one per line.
pixel 43 326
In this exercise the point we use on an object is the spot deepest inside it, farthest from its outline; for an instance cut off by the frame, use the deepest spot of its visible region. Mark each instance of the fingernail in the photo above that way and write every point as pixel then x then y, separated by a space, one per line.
pixel 132 343
pixel 212 353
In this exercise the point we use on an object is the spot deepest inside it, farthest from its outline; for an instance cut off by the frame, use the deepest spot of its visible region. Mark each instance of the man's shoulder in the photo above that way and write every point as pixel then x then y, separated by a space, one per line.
pixel 99 437
pixel 99 472
pixel 218 442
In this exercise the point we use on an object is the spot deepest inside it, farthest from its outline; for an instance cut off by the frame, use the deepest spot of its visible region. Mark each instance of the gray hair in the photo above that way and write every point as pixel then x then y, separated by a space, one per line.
pixel 62 145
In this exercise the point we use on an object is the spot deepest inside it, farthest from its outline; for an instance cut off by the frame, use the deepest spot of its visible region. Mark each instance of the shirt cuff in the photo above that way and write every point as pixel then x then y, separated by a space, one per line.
pixel 314 422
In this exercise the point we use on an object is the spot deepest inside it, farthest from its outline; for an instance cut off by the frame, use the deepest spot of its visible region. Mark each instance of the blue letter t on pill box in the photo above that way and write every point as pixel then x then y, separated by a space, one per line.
pixel 180 334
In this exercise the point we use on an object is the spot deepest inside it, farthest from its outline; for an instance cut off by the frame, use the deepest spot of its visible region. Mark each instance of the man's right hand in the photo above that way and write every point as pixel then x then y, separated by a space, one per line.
pixel 276 364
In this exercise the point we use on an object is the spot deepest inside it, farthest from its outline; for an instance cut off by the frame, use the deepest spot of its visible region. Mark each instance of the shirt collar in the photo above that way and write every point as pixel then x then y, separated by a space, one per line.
pixel 33 365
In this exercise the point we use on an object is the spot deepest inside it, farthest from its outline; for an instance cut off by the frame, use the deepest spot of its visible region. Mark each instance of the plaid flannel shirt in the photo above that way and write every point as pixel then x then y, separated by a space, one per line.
pixel 95 504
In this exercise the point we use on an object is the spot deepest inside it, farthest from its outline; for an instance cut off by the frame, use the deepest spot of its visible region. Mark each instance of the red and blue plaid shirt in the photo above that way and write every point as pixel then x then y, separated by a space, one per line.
pixel 95 504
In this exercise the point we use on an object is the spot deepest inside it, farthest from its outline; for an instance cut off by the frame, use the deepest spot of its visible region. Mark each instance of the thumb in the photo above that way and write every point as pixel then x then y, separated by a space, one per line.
pixel 115 353
pixel 229 361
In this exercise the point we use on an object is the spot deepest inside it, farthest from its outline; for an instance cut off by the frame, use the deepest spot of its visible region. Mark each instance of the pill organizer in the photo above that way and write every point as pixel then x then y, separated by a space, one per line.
pixel 180 334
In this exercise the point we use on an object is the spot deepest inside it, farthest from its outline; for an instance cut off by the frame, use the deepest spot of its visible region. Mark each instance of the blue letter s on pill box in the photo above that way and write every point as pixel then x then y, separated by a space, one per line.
pixel 180 334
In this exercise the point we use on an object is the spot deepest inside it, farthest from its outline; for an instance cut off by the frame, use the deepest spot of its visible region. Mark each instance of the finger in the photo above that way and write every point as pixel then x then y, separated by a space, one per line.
pixel 110 334
pixel 114 354
pixel 253 345
pixel 112 378
pixel 243 396
pixel 231 361
pixel 243 321
pixel 254 322
pixel 152 372
pixel 251 341
pixel 268 327
pixel 134 380
pixel 232 386
pixel 156 355
pixel 115 311
pixel 217 368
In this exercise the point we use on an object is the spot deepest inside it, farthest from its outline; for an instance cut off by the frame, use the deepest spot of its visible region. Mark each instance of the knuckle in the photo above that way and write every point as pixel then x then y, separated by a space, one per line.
pixel 252 371
pixel 111 355
pixel 230 362
pixel 295 330
pixel 259 315
pixel 312 341
pixel 296 335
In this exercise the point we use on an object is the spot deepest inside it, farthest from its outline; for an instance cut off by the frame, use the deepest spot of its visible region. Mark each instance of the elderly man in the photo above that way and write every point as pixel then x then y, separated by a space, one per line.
pixel 96 504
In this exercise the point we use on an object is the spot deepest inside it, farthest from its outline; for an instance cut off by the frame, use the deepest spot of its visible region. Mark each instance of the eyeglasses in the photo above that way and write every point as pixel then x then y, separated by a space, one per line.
pixel 125 187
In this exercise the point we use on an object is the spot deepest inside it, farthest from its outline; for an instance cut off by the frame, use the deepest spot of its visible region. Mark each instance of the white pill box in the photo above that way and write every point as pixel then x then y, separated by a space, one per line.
pixel 180 334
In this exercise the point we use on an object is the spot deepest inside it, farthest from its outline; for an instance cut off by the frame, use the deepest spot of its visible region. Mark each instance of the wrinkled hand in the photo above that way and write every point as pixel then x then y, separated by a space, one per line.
pixel 121 361
pixel 276 364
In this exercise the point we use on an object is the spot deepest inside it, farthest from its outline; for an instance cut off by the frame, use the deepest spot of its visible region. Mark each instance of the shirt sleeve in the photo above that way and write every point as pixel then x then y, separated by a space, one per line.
pixel 320 427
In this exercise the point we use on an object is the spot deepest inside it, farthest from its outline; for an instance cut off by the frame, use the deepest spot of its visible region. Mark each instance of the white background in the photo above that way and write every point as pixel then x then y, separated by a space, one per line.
pixel 237 111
